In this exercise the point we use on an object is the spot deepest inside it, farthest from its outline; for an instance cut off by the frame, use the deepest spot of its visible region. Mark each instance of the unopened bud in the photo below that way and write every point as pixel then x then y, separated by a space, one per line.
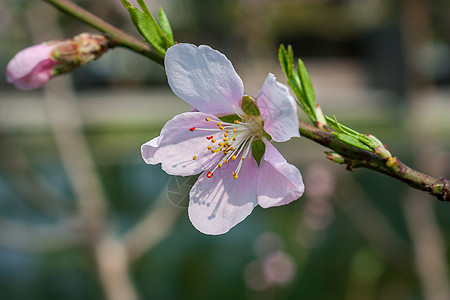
pixel 34 66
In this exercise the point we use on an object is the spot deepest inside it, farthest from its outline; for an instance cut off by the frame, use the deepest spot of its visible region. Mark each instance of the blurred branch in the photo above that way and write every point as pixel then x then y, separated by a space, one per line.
pixel 66 125
pixel 113 265
pixel 155 225
pixel 364 215
pixel 28 185
pixel 355 157
pixel 41 239
pixel 116 36
pixel 429 246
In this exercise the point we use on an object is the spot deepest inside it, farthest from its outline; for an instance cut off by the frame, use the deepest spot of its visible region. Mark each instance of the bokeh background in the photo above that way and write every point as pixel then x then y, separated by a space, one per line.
pixel 83 217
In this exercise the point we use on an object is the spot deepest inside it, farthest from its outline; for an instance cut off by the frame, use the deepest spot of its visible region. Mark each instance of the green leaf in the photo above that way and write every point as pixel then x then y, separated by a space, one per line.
pixel 144 7
pixel 167 42
pixel 126 3
pixel 282 56
pixel 286 58
pixel 249 106
pixel 147 28
pixel 352 141
pixel 165 25
pixel 307 87
pixel 258 150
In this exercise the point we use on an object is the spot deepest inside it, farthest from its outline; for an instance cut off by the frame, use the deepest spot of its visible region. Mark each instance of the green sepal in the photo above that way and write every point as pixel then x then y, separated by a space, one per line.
pixel 267 136
pixel 230 118
pixel 249 106
pixel 258 150
pixel 165 25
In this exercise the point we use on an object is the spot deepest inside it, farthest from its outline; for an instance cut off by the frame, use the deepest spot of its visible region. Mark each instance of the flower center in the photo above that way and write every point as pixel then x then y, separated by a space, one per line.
pixel 233 140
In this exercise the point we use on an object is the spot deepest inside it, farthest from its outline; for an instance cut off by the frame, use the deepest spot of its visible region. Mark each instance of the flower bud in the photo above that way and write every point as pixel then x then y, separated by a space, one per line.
pixel 35 65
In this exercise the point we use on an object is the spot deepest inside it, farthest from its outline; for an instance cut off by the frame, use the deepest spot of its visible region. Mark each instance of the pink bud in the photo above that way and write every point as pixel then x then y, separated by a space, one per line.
pixel 31 67
pixel 34 66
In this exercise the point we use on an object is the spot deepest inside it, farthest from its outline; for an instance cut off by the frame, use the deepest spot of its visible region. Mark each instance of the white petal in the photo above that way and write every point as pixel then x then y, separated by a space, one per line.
pixel 278 110
pixel 177 145
pixel 204 78
pixel 279 182
pixel 218 203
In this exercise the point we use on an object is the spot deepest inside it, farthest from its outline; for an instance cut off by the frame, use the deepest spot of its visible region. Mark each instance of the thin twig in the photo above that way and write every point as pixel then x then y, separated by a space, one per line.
pixel 117 37
pixel 356 158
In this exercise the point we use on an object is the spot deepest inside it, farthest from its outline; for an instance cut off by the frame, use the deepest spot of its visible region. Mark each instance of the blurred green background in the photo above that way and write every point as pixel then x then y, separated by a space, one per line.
pixel 83 217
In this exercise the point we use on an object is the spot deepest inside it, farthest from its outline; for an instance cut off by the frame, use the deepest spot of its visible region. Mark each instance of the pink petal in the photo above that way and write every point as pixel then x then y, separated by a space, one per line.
pixel 278 110
pixel 204 78
pixel 31 67
pixel 177 145
pixel 218 203
pixel 279 182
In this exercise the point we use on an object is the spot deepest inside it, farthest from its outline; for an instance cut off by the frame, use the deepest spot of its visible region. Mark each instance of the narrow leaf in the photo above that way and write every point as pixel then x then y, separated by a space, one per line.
pixel 144 7
pixel 165 25
pixel 126 3
pixel 306 85
pixel 282 56
pixel 352 141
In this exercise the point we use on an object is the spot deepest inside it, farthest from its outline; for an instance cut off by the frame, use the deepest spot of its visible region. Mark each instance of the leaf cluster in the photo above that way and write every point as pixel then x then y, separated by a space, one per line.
pixel 160 35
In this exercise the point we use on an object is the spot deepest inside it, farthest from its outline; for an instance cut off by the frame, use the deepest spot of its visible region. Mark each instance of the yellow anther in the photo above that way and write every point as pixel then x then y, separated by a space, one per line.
pixel 220 165
pixel 218 123
pixel 236 122
pixel 225 161
pixel 233 157
pixel 234 138
pixel 225 152
pixel 194 158
pixel 226 130
pixel 225 139
pixel 234 129
pixel 232 149
pixel 213 141
pixel 225 134
pixel 242 158
pixel 233 173
pixel 235 177
pixel 213 151
pixel 209 147
pixel 220 144
pixel 207 119
pixel 221 127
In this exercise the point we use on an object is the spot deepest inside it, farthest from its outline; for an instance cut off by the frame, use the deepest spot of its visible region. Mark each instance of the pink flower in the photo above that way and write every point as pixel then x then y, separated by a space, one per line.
pixel 31 67
pixel 232 182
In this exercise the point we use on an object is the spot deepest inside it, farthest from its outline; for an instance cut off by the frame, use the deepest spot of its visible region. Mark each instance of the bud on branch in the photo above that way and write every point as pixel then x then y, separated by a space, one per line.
pixel 35 65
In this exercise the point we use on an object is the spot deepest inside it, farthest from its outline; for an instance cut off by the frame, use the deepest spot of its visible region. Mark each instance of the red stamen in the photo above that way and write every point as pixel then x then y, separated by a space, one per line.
pixel 209 137
pixel 209 175
pixel 192 129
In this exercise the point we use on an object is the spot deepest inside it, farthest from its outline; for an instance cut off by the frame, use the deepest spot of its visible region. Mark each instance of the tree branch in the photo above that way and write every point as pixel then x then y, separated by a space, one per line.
pixel 353 157
pixel 116 36
pixel 356 158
